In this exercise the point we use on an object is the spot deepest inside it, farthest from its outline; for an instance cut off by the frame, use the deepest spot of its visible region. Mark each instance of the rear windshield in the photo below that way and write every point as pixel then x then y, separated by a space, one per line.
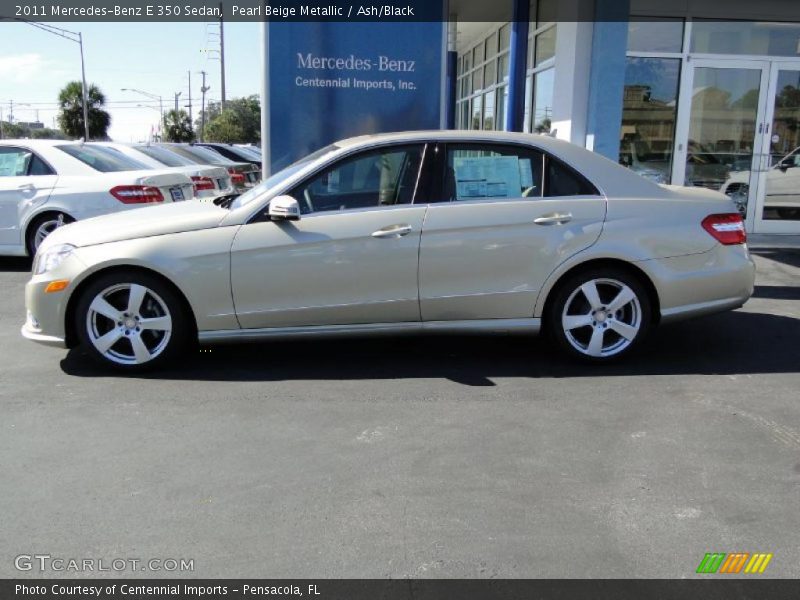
pixel 202 156
pixel 164 156
pixel 102 159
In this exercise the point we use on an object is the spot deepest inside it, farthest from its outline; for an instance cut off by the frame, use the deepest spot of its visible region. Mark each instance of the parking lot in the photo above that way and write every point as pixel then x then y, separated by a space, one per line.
pixel 416 457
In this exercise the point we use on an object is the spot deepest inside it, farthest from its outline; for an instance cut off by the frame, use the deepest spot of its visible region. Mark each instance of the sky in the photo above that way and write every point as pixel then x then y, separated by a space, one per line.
pixel 152 57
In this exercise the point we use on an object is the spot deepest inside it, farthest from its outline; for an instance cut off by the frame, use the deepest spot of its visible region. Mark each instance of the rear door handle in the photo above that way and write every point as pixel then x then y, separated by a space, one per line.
pixel 392 231
pixel 27 187
pixel 553 219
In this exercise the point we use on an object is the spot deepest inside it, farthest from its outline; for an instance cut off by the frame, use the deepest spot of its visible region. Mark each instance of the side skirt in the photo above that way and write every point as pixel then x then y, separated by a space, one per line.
pixel 522 326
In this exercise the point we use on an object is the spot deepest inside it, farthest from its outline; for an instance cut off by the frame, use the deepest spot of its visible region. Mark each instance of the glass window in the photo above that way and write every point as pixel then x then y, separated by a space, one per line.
pixel 545 45
pixel 164 156
pixel 39 167
pixel 491 45
pixel 460 67
pixel 102 159
pixel 502 101
pixel 528 104
pixel 199 155
pixel 660 35
pixel 377 178
pixel 14 162
pixel 562 180
pixel 492 171
pixel 502 67
pixel 489 73
pixel 477 55
pixel 649 106
pixel 745 37
pixel 543 100
pixel 505 36
pixel 488 110
pixel 467 61
pixel 477 107
pixel 477 80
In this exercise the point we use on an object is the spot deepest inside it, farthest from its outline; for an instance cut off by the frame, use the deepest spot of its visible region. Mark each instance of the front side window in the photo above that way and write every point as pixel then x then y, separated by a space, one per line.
pixel 376 178
pixel 480 171
pixel 102 159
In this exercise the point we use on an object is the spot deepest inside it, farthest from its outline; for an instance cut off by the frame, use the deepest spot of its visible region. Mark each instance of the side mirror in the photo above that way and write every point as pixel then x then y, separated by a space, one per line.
pixel 786 163
pixel 284 208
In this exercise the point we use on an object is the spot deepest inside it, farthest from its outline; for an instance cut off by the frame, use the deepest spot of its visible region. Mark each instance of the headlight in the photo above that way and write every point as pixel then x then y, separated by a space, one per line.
pixel 51 258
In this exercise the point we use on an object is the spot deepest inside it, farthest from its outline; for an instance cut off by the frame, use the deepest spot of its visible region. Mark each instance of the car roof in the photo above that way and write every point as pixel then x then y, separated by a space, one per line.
pixel 33 143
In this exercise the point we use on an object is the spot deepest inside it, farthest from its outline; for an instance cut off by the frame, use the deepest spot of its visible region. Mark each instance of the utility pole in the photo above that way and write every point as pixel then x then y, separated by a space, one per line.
pixel 11 111
pixel 191 117
pixel 222 54
pixel 176 100
pixel 84 92
pixel 203 89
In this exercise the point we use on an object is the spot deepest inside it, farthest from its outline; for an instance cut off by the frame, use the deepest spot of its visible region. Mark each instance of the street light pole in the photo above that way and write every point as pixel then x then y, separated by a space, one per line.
pixel 203 89
pixel 85 92
pixel 177 94
pixel 222 55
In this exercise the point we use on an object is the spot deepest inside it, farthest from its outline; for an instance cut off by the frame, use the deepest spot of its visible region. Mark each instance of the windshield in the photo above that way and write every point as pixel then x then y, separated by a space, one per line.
pixel 103 159
pixel 164 156
pixel 200 156
pixel 280 177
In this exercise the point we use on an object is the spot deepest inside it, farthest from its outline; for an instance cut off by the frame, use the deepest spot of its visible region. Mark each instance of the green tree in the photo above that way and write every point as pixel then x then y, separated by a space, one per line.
pixel 239 122
pixel 226 128
pixel 177 127
pixel 70 117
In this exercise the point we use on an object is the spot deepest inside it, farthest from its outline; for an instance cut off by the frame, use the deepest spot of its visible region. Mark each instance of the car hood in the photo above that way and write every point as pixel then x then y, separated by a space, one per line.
pixel 138 223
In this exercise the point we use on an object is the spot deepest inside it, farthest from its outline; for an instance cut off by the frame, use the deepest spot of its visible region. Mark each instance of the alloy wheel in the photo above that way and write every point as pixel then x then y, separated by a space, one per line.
pixel 602 317
pixel 129 324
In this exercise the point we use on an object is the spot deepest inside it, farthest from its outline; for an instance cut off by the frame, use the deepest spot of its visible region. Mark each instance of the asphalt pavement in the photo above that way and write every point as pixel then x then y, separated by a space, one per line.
pixel 441 456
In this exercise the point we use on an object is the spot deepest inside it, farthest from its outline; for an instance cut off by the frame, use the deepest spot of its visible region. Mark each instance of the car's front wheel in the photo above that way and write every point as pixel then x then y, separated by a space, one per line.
pixel 600 315
pixel 131 321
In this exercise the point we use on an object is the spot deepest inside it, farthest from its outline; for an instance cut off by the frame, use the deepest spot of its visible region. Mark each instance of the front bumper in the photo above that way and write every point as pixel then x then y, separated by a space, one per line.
pixel 34 335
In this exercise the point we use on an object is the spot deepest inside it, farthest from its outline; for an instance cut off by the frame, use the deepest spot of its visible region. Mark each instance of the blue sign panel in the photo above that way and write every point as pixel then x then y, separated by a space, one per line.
pixel 330 80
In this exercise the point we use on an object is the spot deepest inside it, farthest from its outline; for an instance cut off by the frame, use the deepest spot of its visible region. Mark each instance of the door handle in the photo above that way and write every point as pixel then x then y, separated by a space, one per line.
pixel 553 219
pixel 392 231
pixel 27 187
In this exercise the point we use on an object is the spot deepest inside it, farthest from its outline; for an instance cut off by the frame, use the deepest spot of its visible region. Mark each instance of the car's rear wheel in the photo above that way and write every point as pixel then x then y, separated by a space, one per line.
pixel 42 226
pixel 600 315
pixel 131 321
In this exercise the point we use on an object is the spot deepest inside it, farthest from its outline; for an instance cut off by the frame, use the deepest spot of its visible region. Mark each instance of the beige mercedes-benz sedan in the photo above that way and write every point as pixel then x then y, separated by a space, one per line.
pixel 438 231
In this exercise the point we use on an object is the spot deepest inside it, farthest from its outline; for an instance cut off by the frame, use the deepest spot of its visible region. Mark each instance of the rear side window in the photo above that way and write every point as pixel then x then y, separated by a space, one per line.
pixel 164 156
pixel 562 180
pixel 102 159
pixel 20 162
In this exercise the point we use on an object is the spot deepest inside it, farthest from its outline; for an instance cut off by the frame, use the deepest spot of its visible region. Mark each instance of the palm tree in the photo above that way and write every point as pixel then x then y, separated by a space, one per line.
pixel 70 118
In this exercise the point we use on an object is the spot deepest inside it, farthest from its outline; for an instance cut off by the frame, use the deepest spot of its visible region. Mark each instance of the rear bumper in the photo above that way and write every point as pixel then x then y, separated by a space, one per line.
pixel 700 284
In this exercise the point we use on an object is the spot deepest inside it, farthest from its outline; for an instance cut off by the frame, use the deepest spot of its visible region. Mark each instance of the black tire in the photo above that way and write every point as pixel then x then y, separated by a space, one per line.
pixel 633 316
pixel 159 303
pixel 56 218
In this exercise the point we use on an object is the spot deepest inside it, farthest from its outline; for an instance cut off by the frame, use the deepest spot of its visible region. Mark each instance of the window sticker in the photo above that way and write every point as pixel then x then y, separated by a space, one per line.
pixel 13 164
pixel 487 177
pixel 525 173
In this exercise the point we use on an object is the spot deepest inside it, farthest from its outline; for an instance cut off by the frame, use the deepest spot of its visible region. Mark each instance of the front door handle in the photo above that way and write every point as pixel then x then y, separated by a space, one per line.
pixel 27 187
pixel 553 219
pixel 392 231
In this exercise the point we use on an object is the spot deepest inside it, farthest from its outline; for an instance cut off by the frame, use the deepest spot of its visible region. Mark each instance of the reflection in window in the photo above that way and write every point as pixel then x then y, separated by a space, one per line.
pixel 488 111
pixel 477 105
pixel 650 99
pixel 543 101
pixel 660 35
pixel 745 37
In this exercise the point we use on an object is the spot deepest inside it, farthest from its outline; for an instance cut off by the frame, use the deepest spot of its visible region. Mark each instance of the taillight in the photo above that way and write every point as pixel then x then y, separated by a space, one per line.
pixel 136 194
pixel 726 228
pixel 202 183
pixel 236 177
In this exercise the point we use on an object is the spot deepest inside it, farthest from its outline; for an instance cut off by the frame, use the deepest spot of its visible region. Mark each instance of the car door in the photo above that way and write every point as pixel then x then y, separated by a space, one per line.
pixel 351 258
pixel 509 214
pixel 26 182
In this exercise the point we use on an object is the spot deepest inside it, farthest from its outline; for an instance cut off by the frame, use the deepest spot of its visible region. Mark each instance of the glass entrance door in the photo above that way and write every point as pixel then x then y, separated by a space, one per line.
pixel 720 131
pixel 778 197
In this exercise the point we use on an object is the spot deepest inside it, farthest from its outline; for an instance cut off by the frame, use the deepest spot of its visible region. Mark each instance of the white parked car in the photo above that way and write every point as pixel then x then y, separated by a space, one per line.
pixel 783 187
pixel 48 183
pixel 210 182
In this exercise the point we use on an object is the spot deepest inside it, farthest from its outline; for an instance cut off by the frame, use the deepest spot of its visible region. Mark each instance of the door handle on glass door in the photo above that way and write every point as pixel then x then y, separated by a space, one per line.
pixel 553 219
pixel 392 231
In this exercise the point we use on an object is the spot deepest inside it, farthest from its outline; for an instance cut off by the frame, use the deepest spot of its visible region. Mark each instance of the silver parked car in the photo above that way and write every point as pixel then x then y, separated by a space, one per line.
pixel 396 233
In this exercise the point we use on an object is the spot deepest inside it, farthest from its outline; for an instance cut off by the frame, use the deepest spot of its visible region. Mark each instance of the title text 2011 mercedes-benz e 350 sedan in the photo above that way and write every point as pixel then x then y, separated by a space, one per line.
pixel 424 231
